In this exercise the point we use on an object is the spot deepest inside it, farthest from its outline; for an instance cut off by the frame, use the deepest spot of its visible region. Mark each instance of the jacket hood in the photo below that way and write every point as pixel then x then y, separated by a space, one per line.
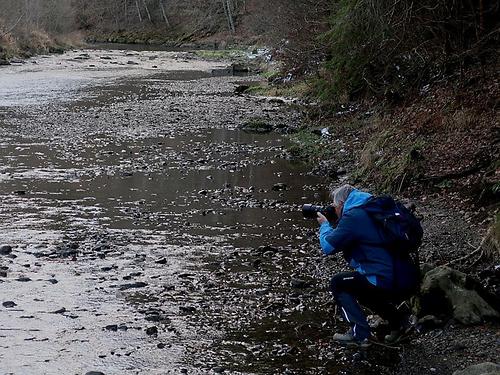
pixel 355 199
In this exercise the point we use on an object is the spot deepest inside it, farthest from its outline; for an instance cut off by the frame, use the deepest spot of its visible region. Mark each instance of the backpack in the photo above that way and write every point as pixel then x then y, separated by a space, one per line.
pixel 400 229
pixel 402 234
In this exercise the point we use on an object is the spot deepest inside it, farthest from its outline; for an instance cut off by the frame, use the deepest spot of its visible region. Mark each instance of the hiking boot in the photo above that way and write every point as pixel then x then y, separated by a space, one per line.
pixel 397 335
pixel 344 337
pixel 349 340
pixel 393 337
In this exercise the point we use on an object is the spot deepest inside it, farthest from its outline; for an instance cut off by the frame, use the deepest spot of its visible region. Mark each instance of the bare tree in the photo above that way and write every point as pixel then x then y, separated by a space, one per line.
pixel 164 14
pixel 138 10
pixel 229 15
pixel 147 10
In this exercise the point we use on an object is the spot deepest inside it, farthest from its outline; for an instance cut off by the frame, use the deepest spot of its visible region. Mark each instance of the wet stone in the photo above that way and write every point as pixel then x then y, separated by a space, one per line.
pixel 265 251
pixel 299 283
pixel 185 276
pixel 161 261
pixel 153 318
pixel 136 285
pixel 187 309
pixel 66 251
pixel 9 304
pixel 5 250
pixel 279 186
pixel 152 331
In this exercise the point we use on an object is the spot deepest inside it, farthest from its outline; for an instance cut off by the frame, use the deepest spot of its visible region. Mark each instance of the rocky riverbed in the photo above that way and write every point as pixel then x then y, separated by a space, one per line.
pixel 146 232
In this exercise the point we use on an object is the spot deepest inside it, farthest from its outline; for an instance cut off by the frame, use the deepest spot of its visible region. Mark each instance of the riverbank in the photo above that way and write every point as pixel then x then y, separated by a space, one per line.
pixel 150 233
pixel 442 142
pixel 438 149
pixel 31 42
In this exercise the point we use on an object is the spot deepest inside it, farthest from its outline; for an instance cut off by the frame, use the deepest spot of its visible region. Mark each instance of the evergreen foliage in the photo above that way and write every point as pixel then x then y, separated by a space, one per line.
pixel 389 47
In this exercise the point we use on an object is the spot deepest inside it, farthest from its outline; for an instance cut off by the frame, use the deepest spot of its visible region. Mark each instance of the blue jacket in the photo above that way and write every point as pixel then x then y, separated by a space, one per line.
pixel 358 238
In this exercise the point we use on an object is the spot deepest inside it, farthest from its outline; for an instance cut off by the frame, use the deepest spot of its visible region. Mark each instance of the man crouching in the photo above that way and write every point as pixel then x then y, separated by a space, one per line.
pixel 372 283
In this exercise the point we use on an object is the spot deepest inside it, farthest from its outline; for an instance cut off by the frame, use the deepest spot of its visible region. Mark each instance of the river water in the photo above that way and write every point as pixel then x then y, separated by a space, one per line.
pixel 124 178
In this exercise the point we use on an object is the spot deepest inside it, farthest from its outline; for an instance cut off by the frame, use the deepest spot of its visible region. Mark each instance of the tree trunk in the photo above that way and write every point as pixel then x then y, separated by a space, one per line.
pixel 164 14
pixel 125 12
pixel 138 10
pixel 147 10
pixel 229 15
pixel 231 18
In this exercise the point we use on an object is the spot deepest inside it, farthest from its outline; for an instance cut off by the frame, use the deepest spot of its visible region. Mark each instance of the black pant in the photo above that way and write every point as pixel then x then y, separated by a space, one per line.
pixel 349 288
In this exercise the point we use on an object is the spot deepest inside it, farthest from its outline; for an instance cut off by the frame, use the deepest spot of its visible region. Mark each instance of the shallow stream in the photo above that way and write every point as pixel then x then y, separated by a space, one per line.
pixel 123 175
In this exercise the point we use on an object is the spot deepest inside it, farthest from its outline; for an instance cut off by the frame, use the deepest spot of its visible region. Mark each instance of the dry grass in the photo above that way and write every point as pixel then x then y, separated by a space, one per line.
pixel 27 42
pixel 8 44
pixel 461 120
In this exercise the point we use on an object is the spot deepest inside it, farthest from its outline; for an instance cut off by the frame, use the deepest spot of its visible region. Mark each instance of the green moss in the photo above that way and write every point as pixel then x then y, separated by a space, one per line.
pixel 220 54
pixel 258 90
pixel 299 89
pixel 270 74
pixel 309 146
pixel 390 163
pixel 257 125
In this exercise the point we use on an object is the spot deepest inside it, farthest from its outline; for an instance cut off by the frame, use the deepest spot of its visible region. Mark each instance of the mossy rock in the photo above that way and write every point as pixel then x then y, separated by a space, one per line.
pixel 450 294
pixel 259 126
pixel 486 368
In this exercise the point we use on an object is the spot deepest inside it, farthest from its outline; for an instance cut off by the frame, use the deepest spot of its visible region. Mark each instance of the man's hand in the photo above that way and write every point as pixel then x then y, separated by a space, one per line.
pixel 321 218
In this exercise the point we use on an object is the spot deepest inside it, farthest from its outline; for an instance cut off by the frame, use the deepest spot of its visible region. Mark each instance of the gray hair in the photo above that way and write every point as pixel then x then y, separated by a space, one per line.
pixel 339 195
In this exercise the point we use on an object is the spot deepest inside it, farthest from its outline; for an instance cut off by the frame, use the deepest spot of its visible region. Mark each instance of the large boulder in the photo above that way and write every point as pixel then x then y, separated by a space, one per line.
pixel 447 293
pixel 486 368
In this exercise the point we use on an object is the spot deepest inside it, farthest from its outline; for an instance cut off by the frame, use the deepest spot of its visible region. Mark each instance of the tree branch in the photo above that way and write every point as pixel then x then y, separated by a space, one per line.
pixel 12 28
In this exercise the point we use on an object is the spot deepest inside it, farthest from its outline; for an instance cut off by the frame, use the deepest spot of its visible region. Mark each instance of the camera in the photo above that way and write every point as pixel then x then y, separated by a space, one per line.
pixel 310 211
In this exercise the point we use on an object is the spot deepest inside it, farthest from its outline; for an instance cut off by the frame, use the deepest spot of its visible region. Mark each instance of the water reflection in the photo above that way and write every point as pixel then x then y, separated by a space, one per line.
pixel 218 181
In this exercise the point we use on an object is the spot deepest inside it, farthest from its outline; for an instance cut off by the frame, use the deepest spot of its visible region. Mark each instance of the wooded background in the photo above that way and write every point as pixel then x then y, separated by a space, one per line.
pixel 354 45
